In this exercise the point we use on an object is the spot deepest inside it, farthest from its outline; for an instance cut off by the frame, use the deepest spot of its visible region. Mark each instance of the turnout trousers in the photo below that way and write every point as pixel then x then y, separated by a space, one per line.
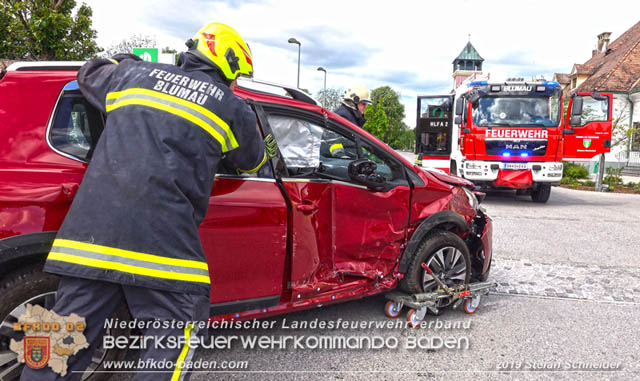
pixel 97 301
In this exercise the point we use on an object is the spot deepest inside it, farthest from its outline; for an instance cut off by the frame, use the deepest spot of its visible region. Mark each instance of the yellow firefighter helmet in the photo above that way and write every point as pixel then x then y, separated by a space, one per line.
pixel 224 47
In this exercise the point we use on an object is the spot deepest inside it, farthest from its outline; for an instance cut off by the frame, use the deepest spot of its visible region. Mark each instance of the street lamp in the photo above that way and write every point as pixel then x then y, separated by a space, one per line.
pixel 324 92
pixel 294 41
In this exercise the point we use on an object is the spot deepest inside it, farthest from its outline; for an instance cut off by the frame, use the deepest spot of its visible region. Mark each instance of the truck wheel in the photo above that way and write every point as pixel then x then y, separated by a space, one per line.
pixel 541 193
pixel 447 256
pixel 31 285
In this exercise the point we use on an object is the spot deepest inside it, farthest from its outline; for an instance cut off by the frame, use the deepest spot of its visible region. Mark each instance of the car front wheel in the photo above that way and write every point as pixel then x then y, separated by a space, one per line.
pixel 446 254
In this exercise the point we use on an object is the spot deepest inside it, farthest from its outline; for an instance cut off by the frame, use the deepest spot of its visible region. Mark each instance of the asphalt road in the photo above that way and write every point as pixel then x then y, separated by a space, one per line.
pixel 568 301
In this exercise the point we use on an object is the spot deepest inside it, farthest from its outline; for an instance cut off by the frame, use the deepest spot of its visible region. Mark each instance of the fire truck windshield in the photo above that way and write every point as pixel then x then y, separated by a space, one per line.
pixel 517 111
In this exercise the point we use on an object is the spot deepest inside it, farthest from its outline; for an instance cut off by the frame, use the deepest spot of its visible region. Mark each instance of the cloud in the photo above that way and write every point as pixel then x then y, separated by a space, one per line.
pixel 411 80
pixel 320 46
pixel 378 44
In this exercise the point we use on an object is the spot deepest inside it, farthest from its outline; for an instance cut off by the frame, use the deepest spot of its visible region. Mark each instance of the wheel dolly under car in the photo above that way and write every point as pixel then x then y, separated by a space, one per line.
pixel 467 294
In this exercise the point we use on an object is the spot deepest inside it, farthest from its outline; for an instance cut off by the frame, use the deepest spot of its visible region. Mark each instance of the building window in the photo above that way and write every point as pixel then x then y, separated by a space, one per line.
pixel 574 82
pixel 635 138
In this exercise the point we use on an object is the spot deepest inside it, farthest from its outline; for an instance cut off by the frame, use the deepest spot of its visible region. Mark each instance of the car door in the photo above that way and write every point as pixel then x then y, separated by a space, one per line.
pixel 244 236
pixel 590 133
pixel 340 229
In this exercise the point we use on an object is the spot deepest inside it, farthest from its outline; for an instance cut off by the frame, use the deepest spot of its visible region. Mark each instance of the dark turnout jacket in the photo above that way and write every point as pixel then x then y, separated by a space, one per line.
pixel 135 217
pixel 352 115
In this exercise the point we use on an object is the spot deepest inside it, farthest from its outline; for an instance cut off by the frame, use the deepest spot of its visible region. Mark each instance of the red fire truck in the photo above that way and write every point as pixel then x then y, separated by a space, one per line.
pixel 511 134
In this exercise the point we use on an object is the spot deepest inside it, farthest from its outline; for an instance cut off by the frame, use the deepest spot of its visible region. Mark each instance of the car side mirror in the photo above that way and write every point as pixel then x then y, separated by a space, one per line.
pixel 576 106
pixel 458 120
pixel 459 106
pixel 362 171
pixel 576 120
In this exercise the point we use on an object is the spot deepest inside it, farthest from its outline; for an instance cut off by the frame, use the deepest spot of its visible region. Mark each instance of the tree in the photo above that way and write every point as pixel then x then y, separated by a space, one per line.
pixel 127 45
pixel 377 123
pixel 407 139
pixel 333 99
pixel 46 30
pixel 394 110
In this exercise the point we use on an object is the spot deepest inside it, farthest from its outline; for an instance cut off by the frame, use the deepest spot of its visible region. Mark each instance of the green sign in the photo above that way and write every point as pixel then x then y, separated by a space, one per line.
pixel 147 54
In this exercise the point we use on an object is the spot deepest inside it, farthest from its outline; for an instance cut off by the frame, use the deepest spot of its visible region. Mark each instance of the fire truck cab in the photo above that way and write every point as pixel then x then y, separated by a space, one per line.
pixel 511 134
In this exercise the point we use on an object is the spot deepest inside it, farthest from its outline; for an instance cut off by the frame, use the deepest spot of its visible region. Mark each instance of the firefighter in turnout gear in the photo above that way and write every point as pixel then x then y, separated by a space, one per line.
pixel 356 100
pixel 131 234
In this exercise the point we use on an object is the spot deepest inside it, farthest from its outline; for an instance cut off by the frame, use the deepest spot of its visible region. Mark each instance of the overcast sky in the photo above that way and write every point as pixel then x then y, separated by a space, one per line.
pixel 408 45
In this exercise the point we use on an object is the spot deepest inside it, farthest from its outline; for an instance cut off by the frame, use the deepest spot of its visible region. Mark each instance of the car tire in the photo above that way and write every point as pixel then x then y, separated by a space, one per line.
pixel 439 244
pixel 542 193
pixel 31 284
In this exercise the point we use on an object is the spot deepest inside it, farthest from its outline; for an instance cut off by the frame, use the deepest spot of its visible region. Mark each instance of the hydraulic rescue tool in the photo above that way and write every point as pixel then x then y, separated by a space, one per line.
pixel 468 295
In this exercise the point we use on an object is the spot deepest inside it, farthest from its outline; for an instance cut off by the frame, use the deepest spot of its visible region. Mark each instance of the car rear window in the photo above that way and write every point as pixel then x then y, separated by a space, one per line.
pixel 76 127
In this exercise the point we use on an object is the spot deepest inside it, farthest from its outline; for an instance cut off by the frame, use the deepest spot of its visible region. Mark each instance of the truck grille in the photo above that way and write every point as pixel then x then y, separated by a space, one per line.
pixel 516 147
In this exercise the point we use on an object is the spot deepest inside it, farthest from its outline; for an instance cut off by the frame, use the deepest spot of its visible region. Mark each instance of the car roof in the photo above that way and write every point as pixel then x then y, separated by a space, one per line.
pixel 258 90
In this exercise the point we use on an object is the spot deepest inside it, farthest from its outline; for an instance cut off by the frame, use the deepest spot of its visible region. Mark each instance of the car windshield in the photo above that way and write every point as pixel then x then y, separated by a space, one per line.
pixel 517 111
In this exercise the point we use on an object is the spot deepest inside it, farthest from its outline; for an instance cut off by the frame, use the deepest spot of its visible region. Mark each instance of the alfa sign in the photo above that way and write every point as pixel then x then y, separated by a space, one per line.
pixel 147 54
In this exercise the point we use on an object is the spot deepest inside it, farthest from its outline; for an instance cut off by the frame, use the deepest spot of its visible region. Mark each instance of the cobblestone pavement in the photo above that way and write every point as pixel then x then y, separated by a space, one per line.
pixel 577 281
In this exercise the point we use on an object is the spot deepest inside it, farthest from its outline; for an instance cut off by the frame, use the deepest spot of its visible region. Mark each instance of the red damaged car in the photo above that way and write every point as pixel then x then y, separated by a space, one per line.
pixel 338 215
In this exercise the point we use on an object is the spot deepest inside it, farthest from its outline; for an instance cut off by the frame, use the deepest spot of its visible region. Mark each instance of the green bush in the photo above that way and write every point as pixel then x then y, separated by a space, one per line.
pixel 613 177
pixel 574 185
pixel 631 184
pixel 568 180
pixel 588 183
pixel 574 171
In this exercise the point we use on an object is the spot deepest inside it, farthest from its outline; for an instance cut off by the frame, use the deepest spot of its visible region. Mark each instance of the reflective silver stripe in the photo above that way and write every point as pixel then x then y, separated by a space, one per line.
pixel 129 261
pixel 192 349
pixel 178 106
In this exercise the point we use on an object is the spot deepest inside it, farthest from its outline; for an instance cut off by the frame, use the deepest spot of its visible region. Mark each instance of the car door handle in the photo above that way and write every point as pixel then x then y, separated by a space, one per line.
pixel 307 207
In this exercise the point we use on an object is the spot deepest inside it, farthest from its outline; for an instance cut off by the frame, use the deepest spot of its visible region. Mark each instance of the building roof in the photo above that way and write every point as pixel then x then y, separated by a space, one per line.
pixel 617 68
pixel 469 53
pixel 562 78
pixel 583 69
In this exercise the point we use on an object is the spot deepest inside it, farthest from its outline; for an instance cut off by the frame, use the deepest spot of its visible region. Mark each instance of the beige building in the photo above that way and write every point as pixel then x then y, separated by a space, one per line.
pixel 614 67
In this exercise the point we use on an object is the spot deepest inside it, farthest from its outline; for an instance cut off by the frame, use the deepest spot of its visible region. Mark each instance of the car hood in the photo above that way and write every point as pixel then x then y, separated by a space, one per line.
pixel 449 179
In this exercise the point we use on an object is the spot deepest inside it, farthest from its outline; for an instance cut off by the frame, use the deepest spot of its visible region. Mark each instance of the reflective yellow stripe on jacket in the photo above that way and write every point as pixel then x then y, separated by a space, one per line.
pixel 192 112
pixel 257 168
pixel 109 258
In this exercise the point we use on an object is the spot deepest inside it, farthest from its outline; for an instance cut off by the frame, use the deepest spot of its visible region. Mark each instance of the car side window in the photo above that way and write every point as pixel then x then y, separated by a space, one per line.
pixel 386 167
pixel 77 127
pixel 312 151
